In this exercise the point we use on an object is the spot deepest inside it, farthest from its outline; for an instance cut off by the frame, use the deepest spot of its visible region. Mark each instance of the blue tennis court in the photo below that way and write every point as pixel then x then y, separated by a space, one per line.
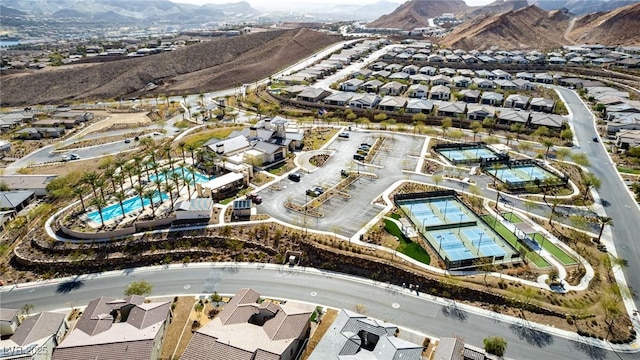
pixel 522 173
pixel 452 245
pixel 451 210
pixel 482 240
pixel 467 154
pixel 422 213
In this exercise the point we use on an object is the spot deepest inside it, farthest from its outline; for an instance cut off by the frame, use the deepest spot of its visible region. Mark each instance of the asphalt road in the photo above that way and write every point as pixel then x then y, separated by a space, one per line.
pixel 432 316
pixel 615 198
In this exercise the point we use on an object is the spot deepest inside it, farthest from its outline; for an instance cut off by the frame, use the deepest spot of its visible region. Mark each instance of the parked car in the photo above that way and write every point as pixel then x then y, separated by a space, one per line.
pixel 365 144
pixel 257 199
pixel 127 141
pixel 344 135
pixel 358 157
pixel 294 177
pixel 344 173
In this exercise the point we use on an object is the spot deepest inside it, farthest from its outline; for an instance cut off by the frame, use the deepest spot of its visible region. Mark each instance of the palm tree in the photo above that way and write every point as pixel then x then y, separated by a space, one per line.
pixel 548 143
pixel 90 178
pixel 590 181
pixel 108 173
pixel 79 190
pixel 100 185
pixel 120 196
pixel 169 189
pixel 165 172
pixel 158 184
pixel 181 146
pixel 99 203
pixel 604 221
pixel 176 178
pixel 140 191
pixel 128 168
pixel 149 194
pixel 167 150
pixel 192 169
pixel 192 149
pixel 147 165
pixel 119 178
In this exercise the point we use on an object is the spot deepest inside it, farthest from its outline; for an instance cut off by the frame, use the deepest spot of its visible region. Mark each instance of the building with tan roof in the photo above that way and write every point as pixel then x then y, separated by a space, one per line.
pixel 117 329
pixel 247 329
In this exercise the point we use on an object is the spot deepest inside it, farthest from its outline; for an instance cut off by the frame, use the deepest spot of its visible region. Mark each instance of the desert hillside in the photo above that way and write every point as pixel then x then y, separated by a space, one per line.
pixel 617 27
pixel 415 13
pixel 529 27
pixel 496 7
pixel 218 64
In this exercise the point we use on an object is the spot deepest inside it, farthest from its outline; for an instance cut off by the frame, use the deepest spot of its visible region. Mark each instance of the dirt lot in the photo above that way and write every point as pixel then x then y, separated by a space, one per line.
pixel 181 312
pixel 128 118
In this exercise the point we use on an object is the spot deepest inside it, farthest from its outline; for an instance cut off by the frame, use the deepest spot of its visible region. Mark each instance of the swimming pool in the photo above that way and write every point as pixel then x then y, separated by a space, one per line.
pixel 130 205
pixel 199 178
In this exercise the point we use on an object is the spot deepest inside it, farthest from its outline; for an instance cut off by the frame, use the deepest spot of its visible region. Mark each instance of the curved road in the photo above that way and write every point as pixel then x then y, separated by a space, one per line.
pixel 424 313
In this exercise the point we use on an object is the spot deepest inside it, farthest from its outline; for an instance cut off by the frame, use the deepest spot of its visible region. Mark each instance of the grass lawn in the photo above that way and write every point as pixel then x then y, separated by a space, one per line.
pixel 513 218
pixel 563 257
pixel 198 139
pixel 628 170
pixel 409 248
pixel 508 235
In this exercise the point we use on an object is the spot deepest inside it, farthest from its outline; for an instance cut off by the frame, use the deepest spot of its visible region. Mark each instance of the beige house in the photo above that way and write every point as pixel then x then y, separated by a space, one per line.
pixel 117 329
pixel 247 329
pixel 35 338
pixel 9 321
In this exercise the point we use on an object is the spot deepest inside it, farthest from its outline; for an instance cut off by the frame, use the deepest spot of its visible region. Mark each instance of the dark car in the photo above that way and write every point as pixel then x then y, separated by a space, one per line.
pixel 294 177
pixel 595 139
pixel 358 157
pixel 344 135
pixel 257 199
pixel 127 141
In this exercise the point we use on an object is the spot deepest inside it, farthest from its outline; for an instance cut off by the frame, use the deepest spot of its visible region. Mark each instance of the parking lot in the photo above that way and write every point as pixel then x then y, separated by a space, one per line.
pixel 341 215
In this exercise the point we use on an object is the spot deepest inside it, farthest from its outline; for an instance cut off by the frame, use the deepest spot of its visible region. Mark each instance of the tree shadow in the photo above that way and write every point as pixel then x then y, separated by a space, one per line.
pixel 531 336
pixel 605 203
pixel 453 312
pixel 128 271
pixel 68 286
pixel 593 352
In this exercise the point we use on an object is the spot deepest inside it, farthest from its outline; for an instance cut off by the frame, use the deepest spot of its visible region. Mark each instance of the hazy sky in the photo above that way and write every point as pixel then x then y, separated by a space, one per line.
pixel 280 4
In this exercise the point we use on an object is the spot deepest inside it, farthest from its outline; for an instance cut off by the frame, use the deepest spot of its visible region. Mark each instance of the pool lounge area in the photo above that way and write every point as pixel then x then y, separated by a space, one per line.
pixel 457 234
pixel 130 205
pixel 188 175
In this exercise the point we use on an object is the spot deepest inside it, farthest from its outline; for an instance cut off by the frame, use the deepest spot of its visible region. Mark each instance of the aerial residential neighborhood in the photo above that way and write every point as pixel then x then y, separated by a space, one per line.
pixel 419 180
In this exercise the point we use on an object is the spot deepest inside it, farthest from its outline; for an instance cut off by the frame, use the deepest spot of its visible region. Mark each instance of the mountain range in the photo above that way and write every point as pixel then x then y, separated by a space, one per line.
pixel 533 27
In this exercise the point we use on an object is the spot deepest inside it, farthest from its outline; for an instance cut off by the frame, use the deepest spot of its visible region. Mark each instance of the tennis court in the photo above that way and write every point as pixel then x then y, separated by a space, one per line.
pixel 474 154
pixel 456 233
pixel 522 174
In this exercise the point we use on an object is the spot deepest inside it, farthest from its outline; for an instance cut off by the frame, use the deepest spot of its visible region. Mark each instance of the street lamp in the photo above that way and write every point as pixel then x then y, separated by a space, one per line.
pixel 460 224
pixel 439 237
pixel 479 242
pixel 424 228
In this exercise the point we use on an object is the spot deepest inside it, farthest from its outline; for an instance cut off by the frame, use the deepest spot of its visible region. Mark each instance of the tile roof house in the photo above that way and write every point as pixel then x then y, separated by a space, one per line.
pixel 428 70
pixel 482 83
pixel 364 101
pixel 35 338
pixel 548 120
pixel 9 321
pixel 418 91
pixel 415 106
pixel 372 85
pixel 393 88
pixel 353 336
pixel 440 92
pixel 452 109
pixel 117 329
pixel 517 101
pixel 351 85
pixel 542 105
pixel 15 200
pixel 480 112
pixel 627 139
pixel 510 116
pixel 339 98
pixel 470 96
pixel 247 329
pixel 392 103
pixel 311 94
pixel 491 98
pixel 461 81
pixel 36 183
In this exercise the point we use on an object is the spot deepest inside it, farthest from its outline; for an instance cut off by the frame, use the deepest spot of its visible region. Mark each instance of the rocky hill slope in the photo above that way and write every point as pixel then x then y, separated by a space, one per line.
pixel 218 64
pixel 617 27
pixel 529 27
pixel 415 13
pixel 496 7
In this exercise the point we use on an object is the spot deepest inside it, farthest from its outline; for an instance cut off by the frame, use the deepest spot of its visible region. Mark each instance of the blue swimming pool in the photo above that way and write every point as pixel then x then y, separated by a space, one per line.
pixel 131 204
pixel 199 178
